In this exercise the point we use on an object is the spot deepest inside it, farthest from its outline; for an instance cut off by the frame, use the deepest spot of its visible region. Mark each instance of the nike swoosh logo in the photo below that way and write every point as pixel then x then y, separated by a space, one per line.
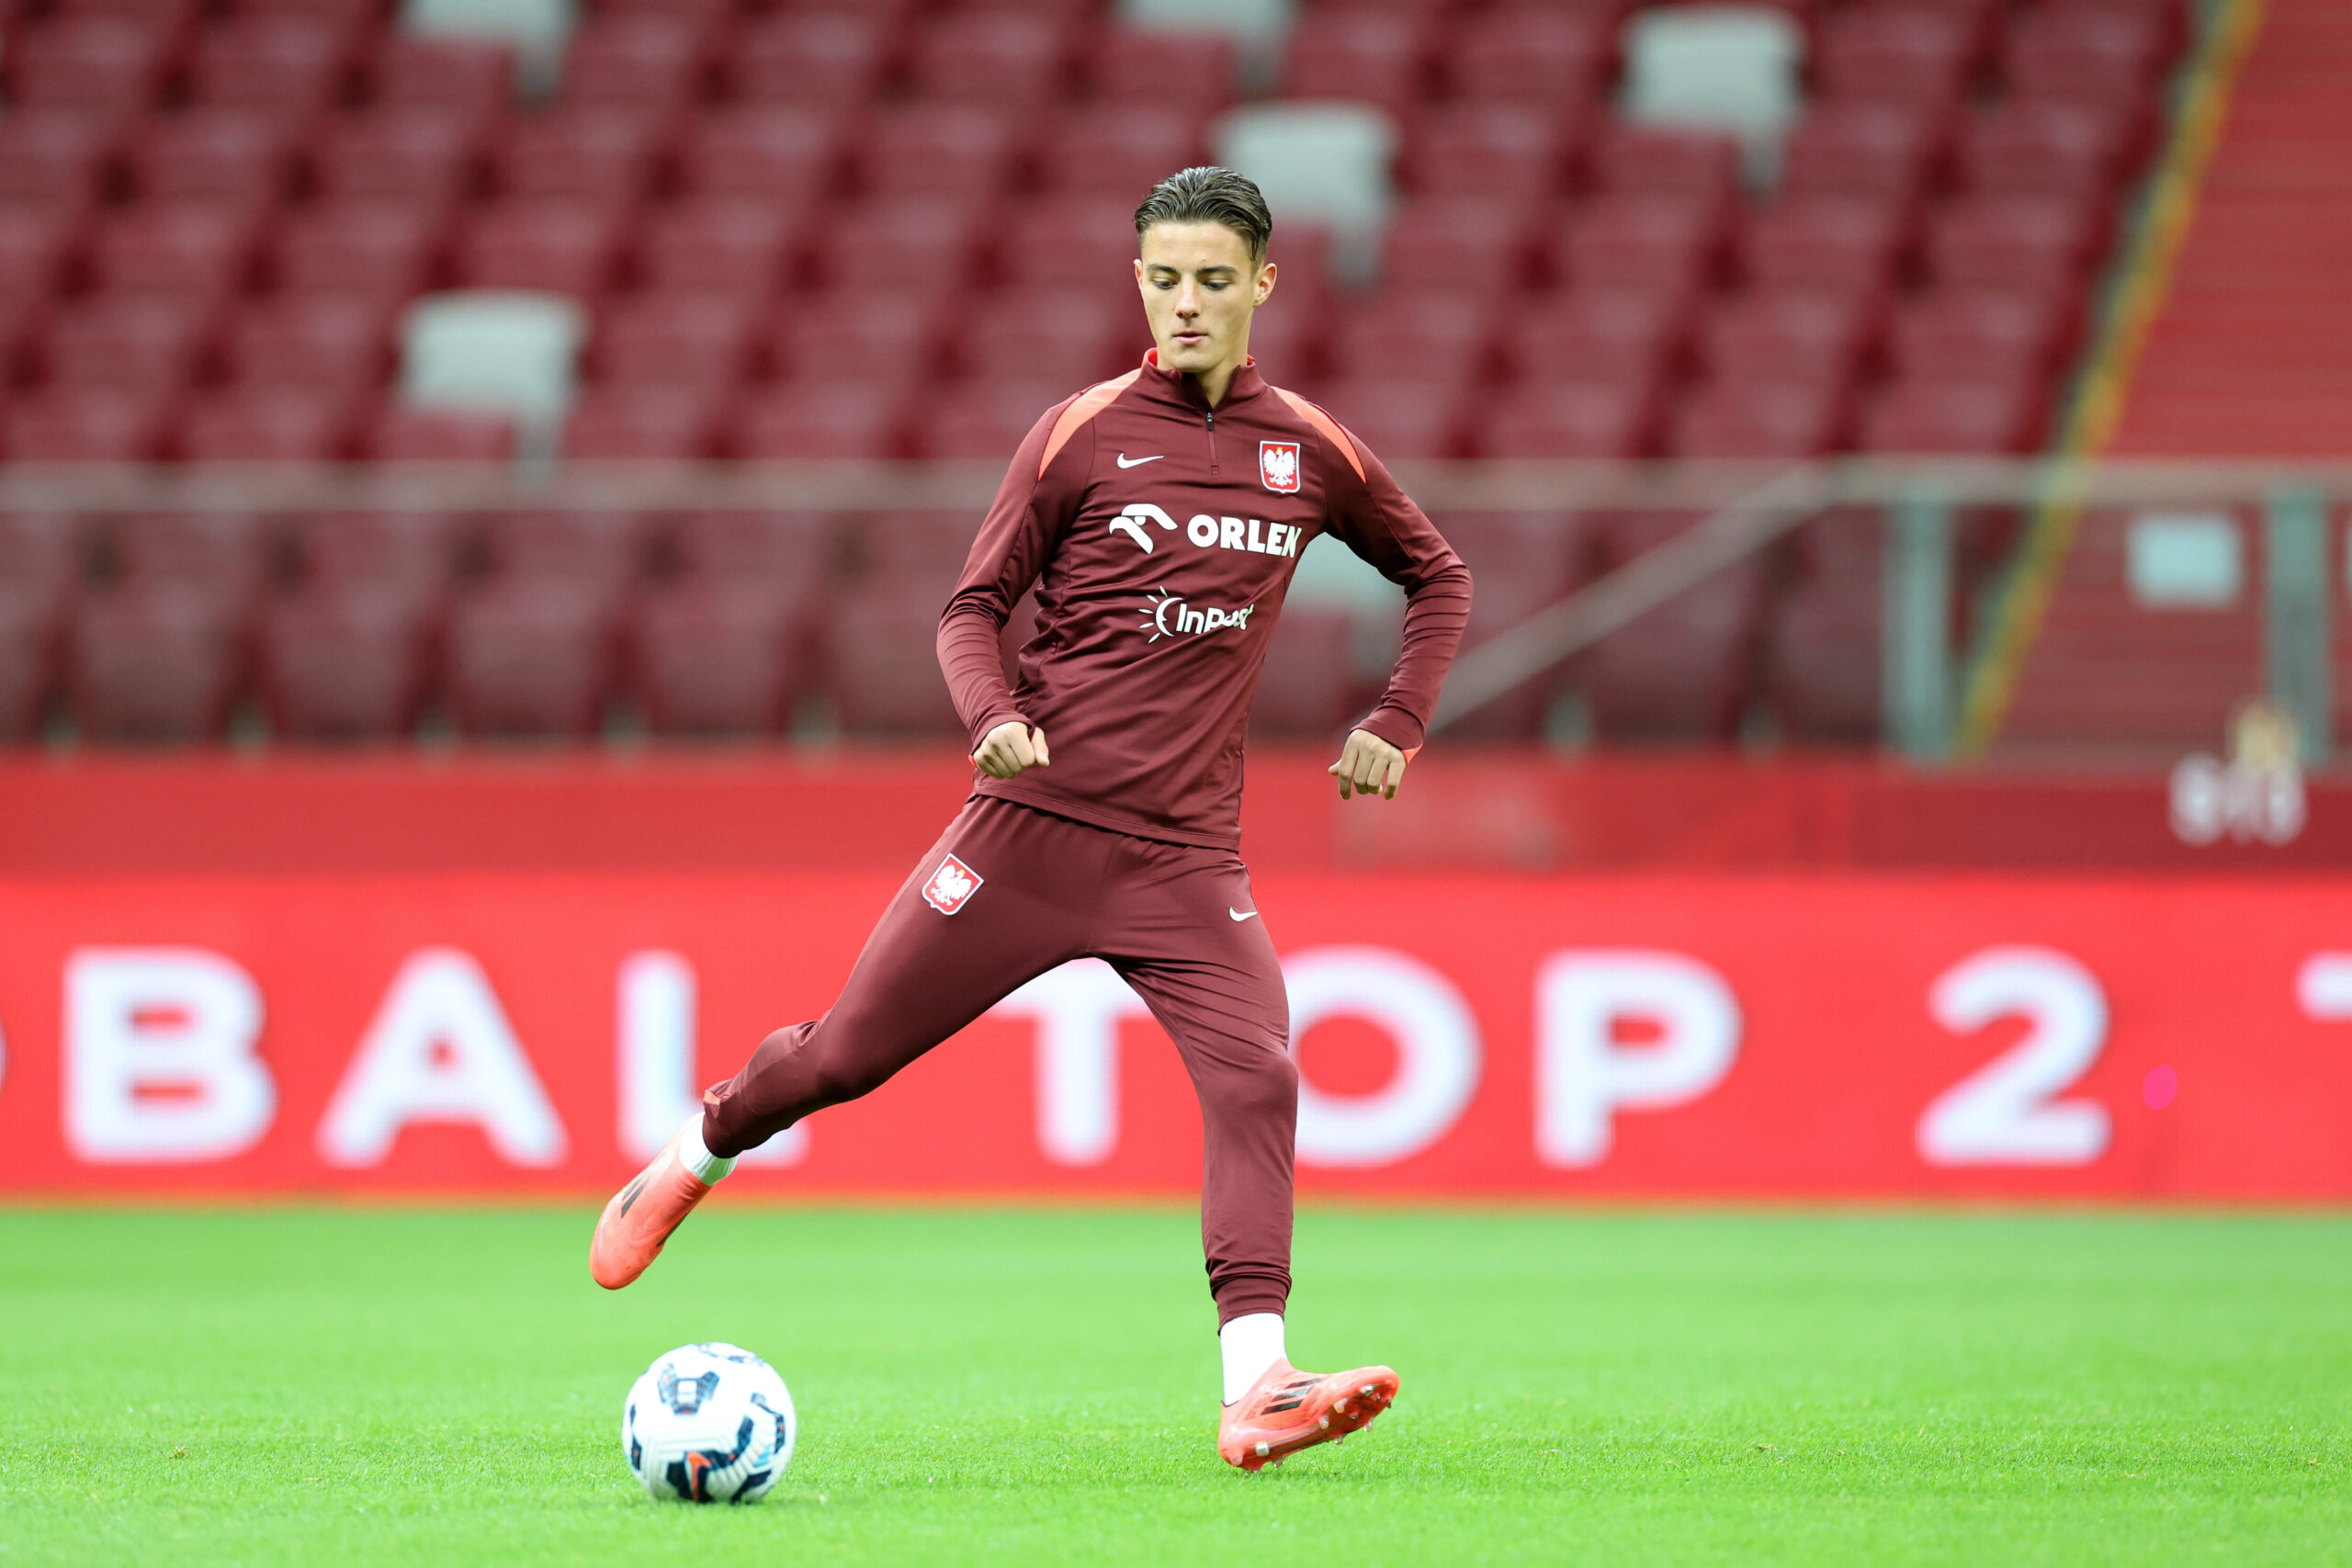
pixel 1127 462
pixel 1241 914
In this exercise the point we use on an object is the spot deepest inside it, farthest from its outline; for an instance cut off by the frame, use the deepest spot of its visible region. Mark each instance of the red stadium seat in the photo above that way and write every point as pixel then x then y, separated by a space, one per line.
pixel 641 61
pixel 914 546
pixel 834 58
pixel 860 338
pixel 276 423
pixel 1919 55
pixel 1696 166
pixel 884 664
pixel 86 425
pixel 677 339
pixel 39 571
pixel 1290 337
pixel 1118 150
pixel 1872 150
pixel 942 152
pixel 1679 672
pixel 1563 419
pixel 786 550
pixel 2037 244
pixel 290 66
pixel 192 250
pixel 1826 635
pixel 1521 562
pixel 1003 58
pixel 669 420
pixel 1533 54
pixel 1666 243
pixel 1050 335
pixel 1619 336
pixel 1791 333
pixel 155 661
pixel 1370 56
pixel 470 80
pixel 1309 690
pixel 34 245
pixel 410 554
pixel 1400 416
pixel 532 657
pixel 1845 243
pixel 324 342
pixel 1444 339
pixel 1972 334
pixel 905 242
pixel 603 552
pixel 1080 245
pixel 1759 418
pixel 408 154
pixel 1510 151
pixel 599 152
pixel 166 18
pixel 985 421
pixel 238 157
pixel 385 249
pixel 2028 147
pixel 428 436
pixel 52 158
pixel 95 63
pixel 716 657
pixel 2063 52
pixel 1189 74
pixel 788 156
pixel 723 244
pixel 141 343
pixel 565 247
pixel 1936 414
pixel 347 659
pixel 822 419
pixel 357 16
pixel 226 553
pixel 1472 244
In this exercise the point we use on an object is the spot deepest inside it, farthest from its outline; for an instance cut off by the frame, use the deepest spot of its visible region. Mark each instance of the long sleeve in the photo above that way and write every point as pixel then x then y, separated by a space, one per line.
pixel 1031 510
pixel 1374 518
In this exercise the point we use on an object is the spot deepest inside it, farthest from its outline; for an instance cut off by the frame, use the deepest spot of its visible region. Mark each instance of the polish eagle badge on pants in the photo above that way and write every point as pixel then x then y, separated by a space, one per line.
pixel 951 887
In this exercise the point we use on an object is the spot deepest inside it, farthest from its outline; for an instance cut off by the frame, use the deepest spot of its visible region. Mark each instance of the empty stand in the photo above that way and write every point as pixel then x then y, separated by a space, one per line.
pixel 715 656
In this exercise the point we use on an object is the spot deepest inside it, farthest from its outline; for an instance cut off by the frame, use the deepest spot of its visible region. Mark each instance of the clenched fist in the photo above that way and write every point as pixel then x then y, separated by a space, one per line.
pixel 1012 749
pixel 1368 765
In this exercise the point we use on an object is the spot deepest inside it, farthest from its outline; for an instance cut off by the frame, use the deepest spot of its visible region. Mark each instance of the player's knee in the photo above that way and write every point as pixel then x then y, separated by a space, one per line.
pixel 1266 1085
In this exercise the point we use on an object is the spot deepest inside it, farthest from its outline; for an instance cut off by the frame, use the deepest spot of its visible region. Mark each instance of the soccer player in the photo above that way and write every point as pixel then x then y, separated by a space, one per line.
pixel 1158 516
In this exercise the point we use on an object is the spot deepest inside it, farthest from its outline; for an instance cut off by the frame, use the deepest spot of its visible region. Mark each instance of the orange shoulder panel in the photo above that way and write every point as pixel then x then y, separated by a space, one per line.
pixel 1325 426
pixel 1083 407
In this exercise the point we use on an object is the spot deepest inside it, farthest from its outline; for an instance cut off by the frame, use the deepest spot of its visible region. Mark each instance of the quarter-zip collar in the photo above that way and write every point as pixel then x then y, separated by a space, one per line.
pixel 1179 388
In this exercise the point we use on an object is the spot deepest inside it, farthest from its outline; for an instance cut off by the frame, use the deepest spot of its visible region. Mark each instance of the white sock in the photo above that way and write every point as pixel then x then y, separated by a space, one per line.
pixel 1250 1345
pixel 700 1163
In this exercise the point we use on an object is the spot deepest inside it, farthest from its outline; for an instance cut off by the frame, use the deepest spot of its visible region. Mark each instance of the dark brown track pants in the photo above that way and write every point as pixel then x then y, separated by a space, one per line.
pixel 1051 890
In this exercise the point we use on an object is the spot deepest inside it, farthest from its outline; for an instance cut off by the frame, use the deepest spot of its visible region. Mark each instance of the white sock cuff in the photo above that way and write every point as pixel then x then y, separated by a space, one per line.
pixel 700 1163
pixel 1247 1346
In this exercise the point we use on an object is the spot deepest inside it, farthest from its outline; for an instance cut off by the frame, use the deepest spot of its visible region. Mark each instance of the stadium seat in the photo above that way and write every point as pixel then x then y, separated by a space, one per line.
pixel 382 248
pixel 1793 419
pixel 2063 52
pixel 276 423
pixel 1945 414
pixel 787 154
pixel 985 421
pixel 600 552
pixel 470 80
pixel 240 158
pixel 859 337
pixel 140 342
pixel 1679 672
pixel 1368 56
pixel 701 340
pixel 1192 75
pixel 1290 338
pixel 225 554
pixel 347 659
pixel 1634 336
pixel 1732 69
pixel 807 421
pixel 1401 416
pixel 1923 56
pixel 1117 150
pixel 97 64
pixel 667 420
pixel 1049 335
pixel 1444 339
pixel 1768 333
pixel 1512 153
pixel 87 424
pixel 35 244
pixel 1826 651
pixel 722 244
pixel 716 657
pixel 192 250
pixel 588 152
pixel 154 661
pixel 998 56
pixel 554 245
pixel 834 58
pixel 1526 53
pixel 883 663
pixel 641 61
pixel 1975 334
pixel 901 243
pixel 1850 244
pixel 438 435
pixel 2036 244
pixel 514 353
pixel 1324 164
pixel 958 152
pixel 290 67
pixel 1081 245
pixel 532 657
pixel 1666 243
pixel 1563 419
pixel 52 159
pixel 412 554
pixel 2036 148
pixel 414 154
pixel 327 343
pixel 39 573
pixel 1700 167
pixel 1465 244
pixel 792 549
pixel 1871 151
pixel 1308 690
pixel 1521 562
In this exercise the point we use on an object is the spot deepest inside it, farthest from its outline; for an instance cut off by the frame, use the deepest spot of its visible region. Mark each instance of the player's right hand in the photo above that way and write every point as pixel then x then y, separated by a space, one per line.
pixel 1011 748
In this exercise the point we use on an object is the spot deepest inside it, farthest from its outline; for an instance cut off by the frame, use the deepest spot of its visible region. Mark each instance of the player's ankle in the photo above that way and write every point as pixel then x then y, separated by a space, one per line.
pixel 695 1155
pixel 1248 1344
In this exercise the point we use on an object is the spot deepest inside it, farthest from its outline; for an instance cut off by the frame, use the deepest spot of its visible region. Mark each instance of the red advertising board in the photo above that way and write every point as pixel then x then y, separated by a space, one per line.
pixel 1703 1036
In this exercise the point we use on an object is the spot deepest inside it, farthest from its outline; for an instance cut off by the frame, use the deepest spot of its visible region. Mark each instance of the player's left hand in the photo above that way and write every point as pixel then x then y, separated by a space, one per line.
pixel 1368 765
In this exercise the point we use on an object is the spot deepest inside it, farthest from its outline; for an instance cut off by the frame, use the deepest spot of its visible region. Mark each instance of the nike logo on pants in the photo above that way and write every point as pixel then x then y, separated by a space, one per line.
pixel 1241 914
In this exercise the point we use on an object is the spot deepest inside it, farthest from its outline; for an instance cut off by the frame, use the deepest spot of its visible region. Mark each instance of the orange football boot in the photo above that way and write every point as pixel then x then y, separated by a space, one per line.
pixel 641 1216
pixel 1287 1410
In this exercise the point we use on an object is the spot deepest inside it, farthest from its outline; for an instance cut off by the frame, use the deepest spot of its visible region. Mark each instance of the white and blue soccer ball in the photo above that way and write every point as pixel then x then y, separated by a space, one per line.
pixel 709 1424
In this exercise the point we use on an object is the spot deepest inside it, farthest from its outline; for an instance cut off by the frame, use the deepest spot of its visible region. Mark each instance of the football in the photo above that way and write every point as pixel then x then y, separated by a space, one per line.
pixel 709 1424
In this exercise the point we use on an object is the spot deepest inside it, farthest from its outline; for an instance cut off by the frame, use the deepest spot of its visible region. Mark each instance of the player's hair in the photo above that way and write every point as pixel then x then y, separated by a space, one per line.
pixel 1210 195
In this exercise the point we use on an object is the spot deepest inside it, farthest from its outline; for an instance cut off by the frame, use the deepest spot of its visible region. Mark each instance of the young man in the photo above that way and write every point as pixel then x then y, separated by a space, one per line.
pixel 1159 517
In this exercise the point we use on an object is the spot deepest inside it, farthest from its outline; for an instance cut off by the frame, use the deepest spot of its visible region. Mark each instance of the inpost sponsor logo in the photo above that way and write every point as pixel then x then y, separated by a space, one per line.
pixel 1164 614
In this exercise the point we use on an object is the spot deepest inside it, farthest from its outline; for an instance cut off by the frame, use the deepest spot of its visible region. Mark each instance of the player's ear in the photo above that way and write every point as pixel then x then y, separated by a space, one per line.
pixel 1265 281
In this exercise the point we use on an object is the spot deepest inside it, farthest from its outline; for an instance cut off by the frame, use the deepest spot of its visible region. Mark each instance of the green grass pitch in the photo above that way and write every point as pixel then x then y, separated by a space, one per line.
pixel 1028 1386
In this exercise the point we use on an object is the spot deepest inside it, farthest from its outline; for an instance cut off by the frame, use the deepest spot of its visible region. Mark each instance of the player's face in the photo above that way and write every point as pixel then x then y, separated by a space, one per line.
pixel 1199 288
